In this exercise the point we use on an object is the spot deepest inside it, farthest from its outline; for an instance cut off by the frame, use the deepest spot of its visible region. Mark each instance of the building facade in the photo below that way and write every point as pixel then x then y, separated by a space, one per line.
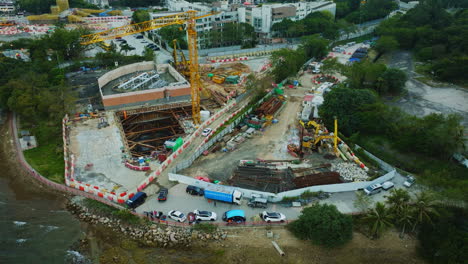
pixel 261 17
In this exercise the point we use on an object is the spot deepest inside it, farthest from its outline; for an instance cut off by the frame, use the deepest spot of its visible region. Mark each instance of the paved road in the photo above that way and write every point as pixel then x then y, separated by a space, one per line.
pixel 178 199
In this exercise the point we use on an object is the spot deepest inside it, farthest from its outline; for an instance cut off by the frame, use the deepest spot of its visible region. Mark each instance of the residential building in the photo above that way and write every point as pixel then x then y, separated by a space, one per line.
pixel 7 7
pixel 263 17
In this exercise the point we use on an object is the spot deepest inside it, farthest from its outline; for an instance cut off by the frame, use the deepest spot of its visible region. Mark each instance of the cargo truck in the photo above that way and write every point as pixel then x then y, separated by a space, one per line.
pixel 223 194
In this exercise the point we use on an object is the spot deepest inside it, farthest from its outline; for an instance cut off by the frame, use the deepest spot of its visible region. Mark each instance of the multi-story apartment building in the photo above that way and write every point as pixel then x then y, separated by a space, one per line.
pixel 264 16
pixel 261 17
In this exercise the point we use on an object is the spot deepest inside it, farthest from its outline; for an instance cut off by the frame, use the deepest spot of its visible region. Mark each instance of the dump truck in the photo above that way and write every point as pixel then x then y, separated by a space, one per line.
pixel 223 194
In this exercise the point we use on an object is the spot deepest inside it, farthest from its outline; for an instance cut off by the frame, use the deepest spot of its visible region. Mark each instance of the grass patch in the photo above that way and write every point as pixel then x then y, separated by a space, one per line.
pixel 127 216
pixel 98 206
pixel 47 157
pixel 205 227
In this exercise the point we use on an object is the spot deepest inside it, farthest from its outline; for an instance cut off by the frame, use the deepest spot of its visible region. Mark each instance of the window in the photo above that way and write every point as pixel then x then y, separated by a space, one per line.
pixel 257 22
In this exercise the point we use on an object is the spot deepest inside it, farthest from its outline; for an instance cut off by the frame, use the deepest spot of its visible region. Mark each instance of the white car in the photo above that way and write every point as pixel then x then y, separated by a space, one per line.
pixel 273 217
pixel 373 189
pixel 177 216
pixel 409 182
pixel 206 132
pixel 387 185
pixel 204 215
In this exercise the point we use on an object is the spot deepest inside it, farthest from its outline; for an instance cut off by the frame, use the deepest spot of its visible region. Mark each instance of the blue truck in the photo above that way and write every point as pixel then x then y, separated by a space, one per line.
pixel 223 194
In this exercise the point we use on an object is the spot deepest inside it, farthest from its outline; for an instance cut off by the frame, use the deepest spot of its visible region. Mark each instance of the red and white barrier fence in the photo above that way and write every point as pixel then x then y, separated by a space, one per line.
pixel 230 60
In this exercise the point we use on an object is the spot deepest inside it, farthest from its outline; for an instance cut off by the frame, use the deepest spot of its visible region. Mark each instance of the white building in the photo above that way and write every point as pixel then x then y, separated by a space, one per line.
pixel 264 16
pixel 7 7
pixel 260 17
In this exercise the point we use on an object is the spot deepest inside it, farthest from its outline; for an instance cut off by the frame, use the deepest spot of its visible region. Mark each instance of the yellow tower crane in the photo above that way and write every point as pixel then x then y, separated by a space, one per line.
pixel 189 18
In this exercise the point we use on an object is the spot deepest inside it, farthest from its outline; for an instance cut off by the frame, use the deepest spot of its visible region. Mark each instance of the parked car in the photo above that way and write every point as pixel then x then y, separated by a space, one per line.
pixel 388 185
pixel 177 216
pixel 194 190
pixel 139 37
pixel 234 216
pixel 205 215
pixel 373 189
pixel 258 203
pixel 163 194
pixel 409 181
pixel 273 217
pixel 206 132
pixel 136 200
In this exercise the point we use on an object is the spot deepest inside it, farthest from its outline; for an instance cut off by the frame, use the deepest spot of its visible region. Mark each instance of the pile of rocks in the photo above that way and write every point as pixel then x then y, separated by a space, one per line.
pixel 157 235
pixel 350 171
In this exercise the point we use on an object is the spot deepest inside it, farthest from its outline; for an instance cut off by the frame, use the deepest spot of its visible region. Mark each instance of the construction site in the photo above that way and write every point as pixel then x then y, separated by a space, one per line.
pixel 152 111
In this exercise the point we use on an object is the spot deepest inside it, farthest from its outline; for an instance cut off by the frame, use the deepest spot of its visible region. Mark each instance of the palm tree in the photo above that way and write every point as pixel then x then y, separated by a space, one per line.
pixel 379 219
pixel 405 218
pixel 424 207
pixel 397 200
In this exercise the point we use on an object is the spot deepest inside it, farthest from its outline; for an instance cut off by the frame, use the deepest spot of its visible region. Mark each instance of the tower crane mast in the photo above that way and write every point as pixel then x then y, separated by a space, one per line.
pixel 189 18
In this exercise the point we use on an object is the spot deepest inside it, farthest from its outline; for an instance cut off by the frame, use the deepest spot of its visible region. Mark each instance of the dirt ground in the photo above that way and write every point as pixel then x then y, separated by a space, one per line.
pixel 253 246
pixel 270 144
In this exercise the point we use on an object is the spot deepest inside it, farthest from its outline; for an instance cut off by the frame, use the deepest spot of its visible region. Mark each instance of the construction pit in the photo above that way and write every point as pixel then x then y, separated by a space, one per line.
pixel 118 148
pixel 263 162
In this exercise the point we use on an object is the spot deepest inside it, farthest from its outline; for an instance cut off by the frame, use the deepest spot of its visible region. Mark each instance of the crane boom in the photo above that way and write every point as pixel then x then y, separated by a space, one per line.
pixel 188 17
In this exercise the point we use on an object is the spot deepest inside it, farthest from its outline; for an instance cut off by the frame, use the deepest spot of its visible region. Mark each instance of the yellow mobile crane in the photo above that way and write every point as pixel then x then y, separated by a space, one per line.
pixel 183 64
pixel 189 18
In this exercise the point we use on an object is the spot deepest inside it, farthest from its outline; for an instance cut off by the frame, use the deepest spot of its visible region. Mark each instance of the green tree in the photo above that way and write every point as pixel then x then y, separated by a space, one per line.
pixel 397 200
pixel 393 81
pixel 324 225
pixel 424 206
pixel 287 62
pixel 405 218
pixel 36 6
pixel 140 16
pixel 446 240
pixel 169 33
pixel 315 46
pixel 362 201
pixel 345 104
pixel 386 44
pixel 379 219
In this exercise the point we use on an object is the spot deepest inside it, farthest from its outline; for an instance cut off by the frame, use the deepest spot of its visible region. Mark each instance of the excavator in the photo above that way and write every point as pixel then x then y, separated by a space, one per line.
pixel 313 142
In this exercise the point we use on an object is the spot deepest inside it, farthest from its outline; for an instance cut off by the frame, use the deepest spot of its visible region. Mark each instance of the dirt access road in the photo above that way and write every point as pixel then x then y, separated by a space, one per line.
pixel 423 99
pixel 163 179
pixel 270 144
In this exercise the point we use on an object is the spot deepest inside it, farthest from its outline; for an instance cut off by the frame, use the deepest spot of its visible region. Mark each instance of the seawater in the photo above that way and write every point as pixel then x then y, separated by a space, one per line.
pixel 33 226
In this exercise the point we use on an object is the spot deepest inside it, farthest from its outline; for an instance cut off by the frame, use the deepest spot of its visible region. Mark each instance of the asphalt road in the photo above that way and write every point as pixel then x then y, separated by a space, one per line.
pixel 178 199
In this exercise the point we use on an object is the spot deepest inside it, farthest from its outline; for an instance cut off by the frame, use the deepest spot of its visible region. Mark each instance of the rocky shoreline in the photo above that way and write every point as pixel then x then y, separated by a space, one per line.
pixel 151 235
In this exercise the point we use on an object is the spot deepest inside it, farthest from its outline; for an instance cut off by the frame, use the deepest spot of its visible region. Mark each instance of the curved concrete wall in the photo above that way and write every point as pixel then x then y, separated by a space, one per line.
pixel 176 91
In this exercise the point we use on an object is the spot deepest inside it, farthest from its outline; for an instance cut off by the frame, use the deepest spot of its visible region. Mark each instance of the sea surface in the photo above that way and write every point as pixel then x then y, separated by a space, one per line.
pixel 33 227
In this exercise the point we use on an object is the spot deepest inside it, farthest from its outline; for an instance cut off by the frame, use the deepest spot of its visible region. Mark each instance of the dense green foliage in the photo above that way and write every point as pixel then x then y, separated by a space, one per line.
pixel 436 36
pixel 359 111
pixel 324 225
pixel 36 6
pixel 375 76
pixel 169 33
pixel 140 16
pixel 230 34
pixel 314 23
pixel 446 239
pixel 287 62
pixel 137 3
pixel 371 10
